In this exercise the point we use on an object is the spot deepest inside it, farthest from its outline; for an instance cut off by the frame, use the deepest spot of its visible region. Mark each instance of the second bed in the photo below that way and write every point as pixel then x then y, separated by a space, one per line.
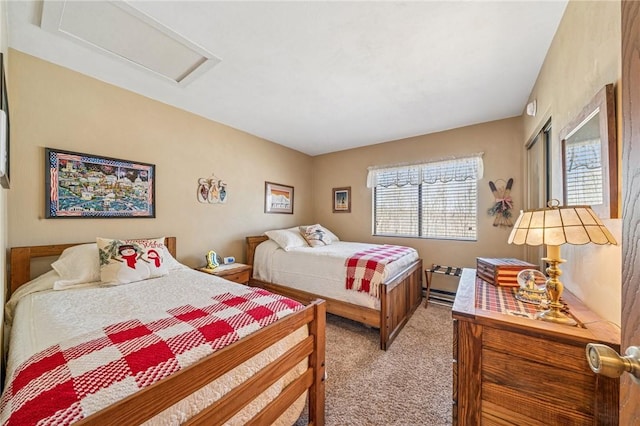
pixel 306 273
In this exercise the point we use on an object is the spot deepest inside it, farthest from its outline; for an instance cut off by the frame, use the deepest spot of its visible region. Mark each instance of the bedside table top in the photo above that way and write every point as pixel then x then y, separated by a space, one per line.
pixel 222 269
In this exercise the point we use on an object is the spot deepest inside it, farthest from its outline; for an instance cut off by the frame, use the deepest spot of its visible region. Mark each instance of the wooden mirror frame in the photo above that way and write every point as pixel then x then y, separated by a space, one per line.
pixel 604 101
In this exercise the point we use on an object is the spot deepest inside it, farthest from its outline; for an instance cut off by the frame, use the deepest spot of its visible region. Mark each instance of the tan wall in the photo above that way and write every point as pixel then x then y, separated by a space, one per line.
pixel 499 140
pixel 584 56
pixel 54 107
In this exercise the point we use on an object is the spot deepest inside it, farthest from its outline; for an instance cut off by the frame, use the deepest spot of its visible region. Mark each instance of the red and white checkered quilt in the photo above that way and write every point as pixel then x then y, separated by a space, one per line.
pixel 71 380
pixel 365 269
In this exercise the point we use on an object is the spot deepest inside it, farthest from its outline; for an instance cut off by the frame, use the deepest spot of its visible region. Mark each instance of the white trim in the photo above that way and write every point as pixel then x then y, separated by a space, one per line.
pixel 421 162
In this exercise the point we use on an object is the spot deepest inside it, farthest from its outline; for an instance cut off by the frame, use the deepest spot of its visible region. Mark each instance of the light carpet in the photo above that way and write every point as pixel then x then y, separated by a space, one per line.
pixel 410 384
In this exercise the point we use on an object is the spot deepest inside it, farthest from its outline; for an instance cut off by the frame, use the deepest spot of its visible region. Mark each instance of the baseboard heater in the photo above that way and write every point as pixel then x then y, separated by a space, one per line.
pixel 442 297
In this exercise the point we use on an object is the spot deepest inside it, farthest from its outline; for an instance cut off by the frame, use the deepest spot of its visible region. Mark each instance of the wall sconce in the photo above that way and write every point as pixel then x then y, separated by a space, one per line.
pixel 531 108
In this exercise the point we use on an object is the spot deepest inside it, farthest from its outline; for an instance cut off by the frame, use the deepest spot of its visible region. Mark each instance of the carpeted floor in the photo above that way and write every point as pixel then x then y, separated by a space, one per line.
pixel 410 384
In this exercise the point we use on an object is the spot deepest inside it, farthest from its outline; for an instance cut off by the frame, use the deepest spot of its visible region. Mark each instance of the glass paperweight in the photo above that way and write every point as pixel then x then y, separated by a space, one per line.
pixel 532 287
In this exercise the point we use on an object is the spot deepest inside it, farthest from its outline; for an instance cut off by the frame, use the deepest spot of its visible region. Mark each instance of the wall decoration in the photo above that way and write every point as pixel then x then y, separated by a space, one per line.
pixel 342 200
pixel 278 198
pixel 4 128
pixel 212 190
pixel 503 204
pixel 88 186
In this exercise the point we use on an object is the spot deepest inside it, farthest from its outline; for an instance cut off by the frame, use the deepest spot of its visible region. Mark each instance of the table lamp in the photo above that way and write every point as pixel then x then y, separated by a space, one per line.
pixel 554 226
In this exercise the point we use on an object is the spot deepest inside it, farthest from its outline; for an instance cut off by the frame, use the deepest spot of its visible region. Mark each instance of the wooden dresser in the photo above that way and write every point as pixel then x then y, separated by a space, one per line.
pixel 510 369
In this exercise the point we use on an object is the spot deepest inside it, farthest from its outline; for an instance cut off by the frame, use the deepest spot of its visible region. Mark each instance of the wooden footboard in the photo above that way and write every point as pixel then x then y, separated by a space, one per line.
pixel 154 399
pixel 399 298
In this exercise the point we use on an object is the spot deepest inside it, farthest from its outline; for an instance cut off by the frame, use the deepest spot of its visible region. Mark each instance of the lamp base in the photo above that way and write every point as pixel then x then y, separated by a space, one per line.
pixel 554 315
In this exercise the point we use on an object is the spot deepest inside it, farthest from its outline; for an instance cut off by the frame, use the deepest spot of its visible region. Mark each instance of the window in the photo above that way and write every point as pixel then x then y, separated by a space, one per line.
pixel 431 200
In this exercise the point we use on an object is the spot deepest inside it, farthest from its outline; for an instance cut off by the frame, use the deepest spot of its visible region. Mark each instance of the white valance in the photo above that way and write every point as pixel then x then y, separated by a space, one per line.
pixel 458 169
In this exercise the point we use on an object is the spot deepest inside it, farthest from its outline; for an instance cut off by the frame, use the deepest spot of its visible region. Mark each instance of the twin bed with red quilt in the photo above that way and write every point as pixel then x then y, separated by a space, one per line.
pixel 377 285
pixel 182 348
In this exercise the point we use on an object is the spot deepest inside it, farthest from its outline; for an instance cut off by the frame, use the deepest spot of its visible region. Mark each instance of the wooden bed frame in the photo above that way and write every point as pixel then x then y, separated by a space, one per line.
pixel 399 298
pixel 152 400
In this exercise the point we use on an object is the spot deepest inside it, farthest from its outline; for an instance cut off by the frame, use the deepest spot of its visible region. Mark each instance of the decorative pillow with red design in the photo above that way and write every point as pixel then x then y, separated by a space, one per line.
pixel 126 261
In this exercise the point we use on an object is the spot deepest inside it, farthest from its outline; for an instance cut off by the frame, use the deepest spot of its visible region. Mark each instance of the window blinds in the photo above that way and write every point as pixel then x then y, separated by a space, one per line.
pixel 583 173
pixel 437 199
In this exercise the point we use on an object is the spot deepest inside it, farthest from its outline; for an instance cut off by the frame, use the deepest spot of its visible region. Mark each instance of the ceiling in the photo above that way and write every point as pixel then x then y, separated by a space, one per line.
pixel 314 76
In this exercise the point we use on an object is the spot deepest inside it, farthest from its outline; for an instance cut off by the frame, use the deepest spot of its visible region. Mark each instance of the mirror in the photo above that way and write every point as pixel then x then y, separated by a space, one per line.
pixel 590 156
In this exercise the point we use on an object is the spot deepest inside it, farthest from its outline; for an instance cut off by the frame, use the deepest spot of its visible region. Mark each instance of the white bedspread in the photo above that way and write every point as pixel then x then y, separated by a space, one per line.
pixel 319 270
pixel 43 318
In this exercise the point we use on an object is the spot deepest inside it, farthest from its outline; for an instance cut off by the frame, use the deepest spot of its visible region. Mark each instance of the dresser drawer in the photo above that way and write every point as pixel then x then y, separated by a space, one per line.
pixel 241 277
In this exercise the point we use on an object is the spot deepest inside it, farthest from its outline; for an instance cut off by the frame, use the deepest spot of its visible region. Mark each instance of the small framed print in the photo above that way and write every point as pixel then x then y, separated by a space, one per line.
pixel 342 200
pixel 278 198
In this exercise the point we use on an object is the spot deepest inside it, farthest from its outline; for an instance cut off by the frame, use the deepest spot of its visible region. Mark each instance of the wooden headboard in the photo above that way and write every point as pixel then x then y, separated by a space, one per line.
pixel 20 259
pixel 252 243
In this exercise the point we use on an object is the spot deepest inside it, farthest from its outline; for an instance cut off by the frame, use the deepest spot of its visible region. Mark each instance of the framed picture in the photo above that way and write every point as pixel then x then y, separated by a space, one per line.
pixel 88 186
pixel 342 200
pixel 278 198
pixel 4 128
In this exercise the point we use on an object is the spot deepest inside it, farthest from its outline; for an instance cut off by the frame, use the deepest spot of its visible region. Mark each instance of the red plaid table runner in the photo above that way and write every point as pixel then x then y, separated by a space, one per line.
pixel 76 378
pixel 365 269
pixel 502 299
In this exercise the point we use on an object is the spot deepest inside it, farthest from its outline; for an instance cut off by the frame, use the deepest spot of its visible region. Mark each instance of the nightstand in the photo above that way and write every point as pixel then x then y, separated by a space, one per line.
pixel 236 272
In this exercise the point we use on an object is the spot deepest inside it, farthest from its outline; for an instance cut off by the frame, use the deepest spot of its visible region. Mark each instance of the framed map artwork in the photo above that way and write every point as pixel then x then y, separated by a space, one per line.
pixel 89 186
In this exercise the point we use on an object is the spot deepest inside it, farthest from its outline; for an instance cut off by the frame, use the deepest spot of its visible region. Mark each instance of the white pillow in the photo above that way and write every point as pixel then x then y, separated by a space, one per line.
pixel 314 235
pixel 287 238
pixel 330 234
pixel 77 265
pixel 126 261
pixel 171 263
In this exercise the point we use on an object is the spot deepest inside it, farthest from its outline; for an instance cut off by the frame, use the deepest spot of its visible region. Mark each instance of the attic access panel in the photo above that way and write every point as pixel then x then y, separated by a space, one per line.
pixel 120 30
